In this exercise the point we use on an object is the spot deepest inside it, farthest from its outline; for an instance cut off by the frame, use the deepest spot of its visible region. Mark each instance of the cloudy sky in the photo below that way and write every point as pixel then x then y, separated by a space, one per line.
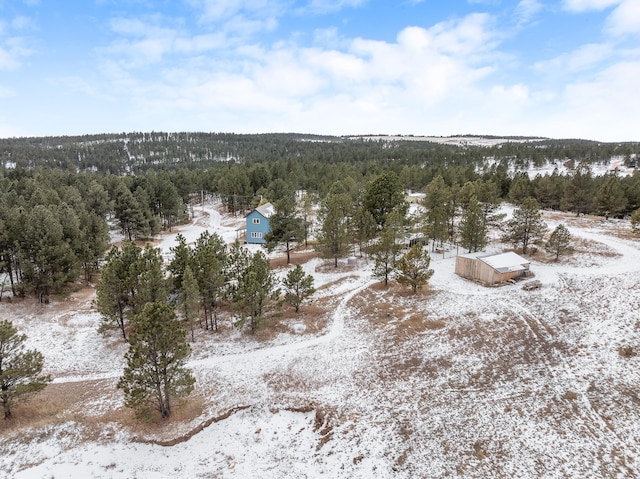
pixel 562 69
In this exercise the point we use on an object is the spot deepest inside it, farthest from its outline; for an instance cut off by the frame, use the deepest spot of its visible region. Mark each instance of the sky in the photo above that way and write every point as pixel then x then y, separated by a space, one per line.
pixel 559 69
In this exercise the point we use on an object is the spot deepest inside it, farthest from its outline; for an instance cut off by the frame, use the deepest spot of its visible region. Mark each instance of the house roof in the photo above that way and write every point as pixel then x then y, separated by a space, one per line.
pixel 266 210
pixel 505 262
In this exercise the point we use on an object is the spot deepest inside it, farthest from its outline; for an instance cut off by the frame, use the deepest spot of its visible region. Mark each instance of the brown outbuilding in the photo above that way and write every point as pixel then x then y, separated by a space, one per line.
pixel 492 269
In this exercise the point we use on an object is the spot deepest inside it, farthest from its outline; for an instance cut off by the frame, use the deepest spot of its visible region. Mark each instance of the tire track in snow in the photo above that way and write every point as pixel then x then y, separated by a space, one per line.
pixel 233 360
pixel 335 331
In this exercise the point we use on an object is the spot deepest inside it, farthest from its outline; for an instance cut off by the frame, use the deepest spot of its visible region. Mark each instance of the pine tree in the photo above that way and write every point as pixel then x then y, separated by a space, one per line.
pixel 112 296
pixel 473 227
pixel 119 287
pixel 128 212
pixel 526 226
pixel 48 259
pixel 609 199
pixel 256 287
pixel 20 369
pixel 155 372
pixel 383 195
pixel 436 217
pixel 520 188
pixel 412 269
pixel 635 221
pixel 578 193
pixel 149 279
pixel 212 269
pixel 385 252
pixel 298 286
pixel 94 241
pixel 559 242
pixel 333 237
pixel 364 227
pixel 189 298
pixel 286 227
pixel 182 256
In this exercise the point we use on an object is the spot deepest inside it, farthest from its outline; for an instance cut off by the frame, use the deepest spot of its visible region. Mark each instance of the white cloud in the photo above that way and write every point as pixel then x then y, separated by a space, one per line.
pixel 328 6
pixel 590 108
pixel 526 10
pixel 586 5
pixel 362 86
pixel 222 10
pixel 12 51
pixel 22 23
pixel 583 58
pixel 625 19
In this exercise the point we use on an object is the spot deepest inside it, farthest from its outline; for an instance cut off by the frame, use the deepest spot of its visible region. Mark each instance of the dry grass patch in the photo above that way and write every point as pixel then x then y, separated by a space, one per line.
pixel 297 257
pixel 183 414
pixel 311 319
pixel 57 403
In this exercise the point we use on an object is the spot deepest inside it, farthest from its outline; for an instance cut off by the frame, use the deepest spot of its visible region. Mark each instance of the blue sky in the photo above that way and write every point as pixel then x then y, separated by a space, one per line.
pixel 561 69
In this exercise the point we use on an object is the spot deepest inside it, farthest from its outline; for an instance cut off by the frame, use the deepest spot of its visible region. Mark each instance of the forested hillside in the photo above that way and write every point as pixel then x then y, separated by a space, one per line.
pixel 58 193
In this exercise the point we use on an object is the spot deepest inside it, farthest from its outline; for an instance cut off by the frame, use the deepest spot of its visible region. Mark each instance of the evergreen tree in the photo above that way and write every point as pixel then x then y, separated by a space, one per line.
pixel 520 188
pixel 559 242
pixel 436 203
pixel 168 203
pixel 118 287
pixel 305 209
pixel 385 252
pixel 578 193
pixel 635 221
pixel 94 241
pixel 364 227
pixel 383 195
pixel 473 227
pixel 48 261
pixel 255 289
pixel 487 195
pixel 335 231
pixel 97 200
pixel 526 226
pixel 298 286
pixel 182 257
pixel 155 372
pixel 609 199
pixel 20 369
pixel 112 296
pixel 190 299
pixel 149 279
pixel 549 190
pixel 210 262
pixel 128 212
pixel 286 227
pixel 412 269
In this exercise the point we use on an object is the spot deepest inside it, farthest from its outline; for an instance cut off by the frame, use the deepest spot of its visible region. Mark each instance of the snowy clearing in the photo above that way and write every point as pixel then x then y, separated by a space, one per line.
pixel 458 380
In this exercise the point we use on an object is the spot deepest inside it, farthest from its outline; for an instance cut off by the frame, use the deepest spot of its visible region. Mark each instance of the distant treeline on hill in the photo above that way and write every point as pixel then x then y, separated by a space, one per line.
pixel 57 195
pixel 125 153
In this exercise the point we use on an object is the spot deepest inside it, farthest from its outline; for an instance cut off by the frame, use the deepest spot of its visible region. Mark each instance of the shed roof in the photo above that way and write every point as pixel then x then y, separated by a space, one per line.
pixel 505 262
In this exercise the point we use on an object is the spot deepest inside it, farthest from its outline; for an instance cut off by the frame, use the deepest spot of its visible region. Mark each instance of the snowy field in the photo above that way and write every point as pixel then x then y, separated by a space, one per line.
pixel 457 381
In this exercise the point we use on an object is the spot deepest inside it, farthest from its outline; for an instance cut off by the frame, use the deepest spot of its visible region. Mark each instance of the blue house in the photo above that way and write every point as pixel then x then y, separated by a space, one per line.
pixel 258 223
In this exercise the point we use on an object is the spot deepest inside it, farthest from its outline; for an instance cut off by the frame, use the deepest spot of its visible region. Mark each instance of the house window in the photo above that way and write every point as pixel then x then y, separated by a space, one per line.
pixel 256 234
pixel 256 221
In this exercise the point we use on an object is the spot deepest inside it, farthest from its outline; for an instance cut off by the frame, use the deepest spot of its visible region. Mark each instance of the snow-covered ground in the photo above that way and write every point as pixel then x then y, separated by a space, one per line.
pixel 459 380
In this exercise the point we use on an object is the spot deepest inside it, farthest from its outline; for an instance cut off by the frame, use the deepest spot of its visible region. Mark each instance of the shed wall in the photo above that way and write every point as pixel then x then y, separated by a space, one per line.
pixel 476 270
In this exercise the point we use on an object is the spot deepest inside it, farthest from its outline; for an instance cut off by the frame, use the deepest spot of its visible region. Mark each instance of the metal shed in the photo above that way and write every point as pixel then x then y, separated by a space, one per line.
pixel 492 269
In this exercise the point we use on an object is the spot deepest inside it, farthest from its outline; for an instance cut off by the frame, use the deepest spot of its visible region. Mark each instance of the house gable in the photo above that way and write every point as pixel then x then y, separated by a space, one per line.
pixel 257 223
